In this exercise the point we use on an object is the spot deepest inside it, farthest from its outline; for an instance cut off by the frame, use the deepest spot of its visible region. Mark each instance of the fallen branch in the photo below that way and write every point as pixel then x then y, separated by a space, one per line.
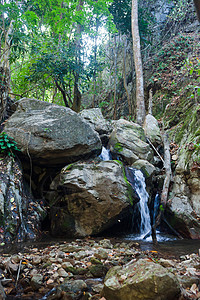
pixel 155 150
pixel 19 269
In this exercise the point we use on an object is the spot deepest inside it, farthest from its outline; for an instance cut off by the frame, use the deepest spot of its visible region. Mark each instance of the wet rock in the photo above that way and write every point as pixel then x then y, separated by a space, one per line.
pixel 20 213
pixel 141 280
pixel 85 207
pixel 143 165
pixel 128 141
pixel 50 133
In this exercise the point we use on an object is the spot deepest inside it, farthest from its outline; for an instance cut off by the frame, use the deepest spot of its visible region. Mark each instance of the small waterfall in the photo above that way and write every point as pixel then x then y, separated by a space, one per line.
pixel 156 207
pixel 137 180
pixel 105 154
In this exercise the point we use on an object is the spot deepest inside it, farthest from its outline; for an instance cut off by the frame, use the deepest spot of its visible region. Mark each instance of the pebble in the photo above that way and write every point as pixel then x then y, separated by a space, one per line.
pixel 82 265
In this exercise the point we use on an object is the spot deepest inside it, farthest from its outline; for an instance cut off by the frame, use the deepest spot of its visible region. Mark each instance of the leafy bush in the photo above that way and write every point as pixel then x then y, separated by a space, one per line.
pixel 7 144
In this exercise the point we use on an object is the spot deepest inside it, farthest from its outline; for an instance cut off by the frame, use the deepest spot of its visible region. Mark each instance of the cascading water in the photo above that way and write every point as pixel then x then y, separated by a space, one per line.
pixel 105 154
pixel 140 187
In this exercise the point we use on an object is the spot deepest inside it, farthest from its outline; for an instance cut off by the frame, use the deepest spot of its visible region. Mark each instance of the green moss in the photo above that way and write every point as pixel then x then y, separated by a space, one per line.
pixel 118 147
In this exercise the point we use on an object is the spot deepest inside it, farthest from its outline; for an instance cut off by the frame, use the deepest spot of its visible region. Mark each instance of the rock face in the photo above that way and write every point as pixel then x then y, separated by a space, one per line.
pixel 128 141
pixel 90 198
pixel 20 214
pixel 51 134
pixel 152 130
pixel 144 280
pixel 96 120
pixel 184 203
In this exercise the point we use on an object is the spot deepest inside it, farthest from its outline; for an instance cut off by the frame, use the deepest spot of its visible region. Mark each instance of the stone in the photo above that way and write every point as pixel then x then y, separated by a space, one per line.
pixel 36 281
pixel 95 118
pixel 62 273
pixel 105 243
pixel 36 260
pixel 152 130
pixel 98 270
pixel 51 134
pixel 141 280
pixel 128 141
pixel 97 195
pixel 145 167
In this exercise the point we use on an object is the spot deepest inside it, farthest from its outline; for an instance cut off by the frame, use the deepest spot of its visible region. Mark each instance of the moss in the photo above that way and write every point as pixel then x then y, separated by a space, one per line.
pixel 130 193
pixel 118 147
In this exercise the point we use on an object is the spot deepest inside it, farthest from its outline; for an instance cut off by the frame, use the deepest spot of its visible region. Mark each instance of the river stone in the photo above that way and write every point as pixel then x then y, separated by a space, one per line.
pixel 144 280
pixel 128 141
pixel 93 197
pixel 51 134
pixel 145 167
pixel 152 130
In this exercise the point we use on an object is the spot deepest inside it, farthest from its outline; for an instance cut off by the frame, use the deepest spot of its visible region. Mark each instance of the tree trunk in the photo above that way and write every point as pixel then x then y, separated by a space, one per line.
pixel 124 76
pixel 140 106
pixel 164 195
pixel 115 80
pixel 197 6
pixel 94 104
pixel 5 77
pixel 77 94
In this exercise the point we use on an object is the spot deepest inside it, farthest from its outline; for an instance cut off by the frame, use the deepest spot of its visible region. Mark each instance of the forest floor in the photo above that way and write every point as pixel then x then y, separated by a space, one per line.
pixel 76 269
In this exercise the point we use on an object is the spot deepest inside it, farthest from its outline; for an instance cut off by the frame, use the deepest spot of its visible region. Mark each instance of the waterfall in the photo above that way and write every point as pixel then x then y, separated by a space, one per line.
pixel 140 187
pixel 105 154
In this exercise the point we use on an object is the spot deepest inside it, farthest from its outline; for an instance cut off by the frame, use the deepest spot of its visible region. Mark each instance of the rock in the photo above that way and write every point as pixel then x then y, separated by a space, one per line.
pixel 184 203
pixel 36 281
pixel 146 167
pixel 180 212
pixel 95 118
pixel 141 280
pixel 36 260
pixel 106 244
pixel 62 273
pixel 98 270
pixel 127 141
pixel 20 213
pixel 51 134
pixel 101 254
pixel 152 130
pixel 94 197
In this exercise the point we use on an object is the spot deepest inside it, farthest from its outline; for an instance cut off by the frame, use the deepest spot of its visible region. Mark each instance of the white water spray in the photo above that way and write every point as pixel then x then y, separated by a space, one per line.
pixel 105 154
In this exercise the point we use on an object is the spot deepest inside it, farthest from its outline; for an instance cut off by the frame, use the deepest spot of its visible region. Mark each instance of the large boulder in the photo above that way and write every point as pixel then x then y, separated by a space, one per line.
pixel 20 213
pixel 90 198
pixel 143 280
pixel 51 134
pixel 128 142
pixel 95 118
pixel 152 130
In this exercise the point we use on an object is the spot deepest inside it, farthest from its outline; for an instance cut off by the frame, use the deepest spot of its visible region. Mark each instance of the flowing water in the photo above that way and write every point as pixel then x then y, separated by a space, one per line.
pixel 140 187
pixel 105 154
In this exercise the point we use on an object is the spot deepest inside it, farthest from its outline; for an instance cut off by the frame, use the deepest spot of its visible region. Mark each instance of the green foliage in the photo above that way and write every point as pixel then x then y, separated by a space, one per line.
pixel 121 11
pixel 7 144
